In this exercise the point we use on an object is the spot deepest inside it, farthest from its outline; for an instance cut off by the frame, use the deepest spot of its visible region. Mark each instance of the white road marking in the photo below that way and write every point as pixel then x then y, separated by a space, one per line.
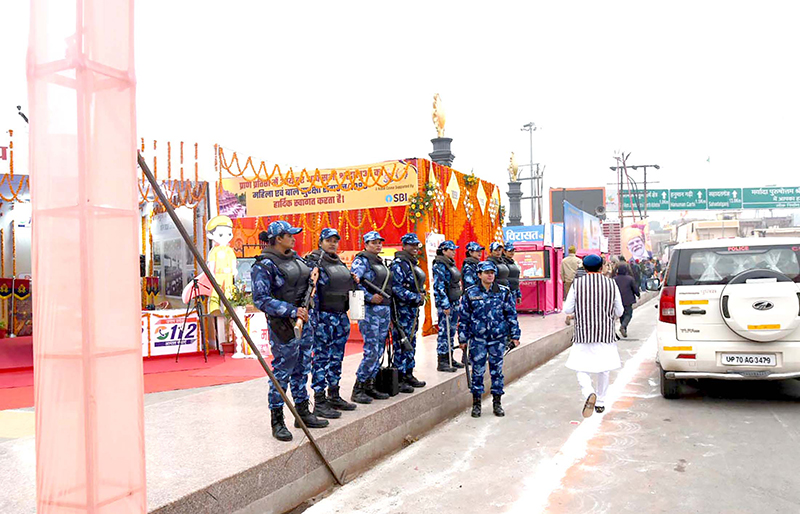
pixel 550 474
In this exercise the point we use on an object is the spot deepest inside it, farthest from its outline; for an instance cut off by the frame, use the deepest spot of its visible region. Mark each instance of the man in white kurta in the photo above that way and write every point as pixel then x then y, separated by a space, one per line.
pixel 596 302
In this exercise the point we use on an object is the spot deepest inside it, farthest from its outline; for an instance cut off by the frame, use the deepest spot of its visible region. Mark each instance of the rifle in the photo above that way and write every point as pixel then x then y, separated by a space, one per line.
pixel 312 288
pixel 405 342
pixel 509 346
pixel 375 289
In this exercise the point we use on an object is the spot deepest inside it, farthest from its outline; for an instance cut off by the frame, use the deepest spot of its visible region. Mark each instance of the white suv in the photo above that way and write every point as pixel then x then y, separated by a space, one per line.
pixel 730 309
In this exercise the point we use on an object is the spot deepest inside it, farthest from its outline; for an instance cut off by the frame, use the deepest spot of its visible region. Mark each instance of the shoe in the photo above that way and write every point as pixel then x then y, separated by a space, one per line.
pixel 623 331
pixel 476 406
pixel 279 430
pixel 323 409
pixel 444 364
pixel 337 402
pixel 405 387
pixel 457 364
pixel 412 380
pixel 496 407
pixel 308 417
pixel 369 388
pixel 599 409
pixel 588 406
pixel 359 394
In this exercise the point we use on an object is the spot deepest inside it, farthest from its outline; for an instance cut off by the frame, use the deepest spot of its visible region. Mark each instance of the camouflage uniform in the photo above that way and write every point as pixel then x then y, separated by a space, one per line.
pixel 488 319
pixel 441 280
pixel 291 362
pixel 331 330
pixel 408 301
pixel 375 325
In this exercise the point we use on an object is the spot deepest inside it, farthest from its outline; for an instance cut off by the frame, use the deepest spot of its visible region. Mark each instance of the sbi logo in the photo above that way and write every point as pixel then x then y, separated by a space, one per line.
pixel 397 197
pixel 388 198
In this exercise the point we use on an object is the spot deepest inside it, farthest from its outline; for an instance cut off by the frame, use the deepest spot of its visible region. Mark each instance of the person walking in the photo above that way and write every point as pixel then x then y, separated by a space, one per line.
pixel 595 301
pixel 630 295
pixel 331 325
pixel 408 292
pixel 569 266
pixel 487 321
pixel 374 328
pixel 447 294
pixel 636 272
pixel 280 281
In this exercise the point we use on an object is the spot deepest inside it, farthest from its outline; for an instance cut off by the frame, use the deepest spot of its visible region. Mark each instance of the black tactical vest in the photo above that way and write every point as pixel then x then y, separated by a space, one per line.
pixel 380 270
pixel 471 261
pixel 419 274
pixel 295 274
pixel 513 273
pixel 333 295
pixel 454 286
pixel 502 270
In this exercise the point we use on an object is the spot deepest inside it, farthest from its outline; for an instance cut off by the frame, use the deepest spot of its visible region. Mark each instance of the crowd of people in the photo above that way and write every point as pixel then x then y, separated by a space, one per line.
pixel 475 303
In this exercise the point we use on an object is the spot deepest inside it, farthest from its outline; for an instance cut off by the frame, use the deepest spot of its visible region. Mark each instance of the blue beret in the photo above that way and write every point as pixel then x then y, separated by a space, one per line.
pixel 277 228
pixel 592 261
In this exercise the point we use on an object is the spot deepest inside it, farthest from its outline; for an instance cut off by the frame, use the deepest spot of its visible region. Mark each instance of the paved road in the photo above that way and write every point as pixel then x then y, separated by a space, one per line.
pixel 726 447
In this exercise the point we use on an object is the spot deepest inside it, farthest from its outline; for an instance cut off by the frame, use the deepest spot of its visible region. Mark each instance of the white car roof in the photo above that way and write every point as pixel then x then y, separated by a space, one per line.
pixel 739 241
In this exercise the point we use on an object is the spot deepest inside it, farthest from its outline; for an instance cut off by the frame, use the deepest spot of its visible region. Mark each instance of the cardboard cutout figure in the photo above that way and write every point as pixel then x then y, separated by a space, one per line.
pixel 221 258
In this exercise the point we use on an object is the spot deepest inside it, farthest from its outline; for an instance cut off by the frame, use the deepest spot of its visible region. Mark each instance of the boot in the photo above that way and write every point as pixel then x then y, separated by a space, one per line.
pixel 496 407
pixel 311 420
pixel 369 388
pixel 476 406
pixel 405 387
pixel 359 394
pixel 456 364
pixel 412 380
pixel 279 430
pixel 444 364
pixel 323 409
pixel 337 402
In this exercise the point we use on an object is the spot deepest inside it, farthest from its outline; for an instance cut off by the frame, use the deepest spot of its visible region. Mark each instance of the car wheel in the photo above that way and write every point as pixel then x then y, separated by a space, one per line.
pixel 669 386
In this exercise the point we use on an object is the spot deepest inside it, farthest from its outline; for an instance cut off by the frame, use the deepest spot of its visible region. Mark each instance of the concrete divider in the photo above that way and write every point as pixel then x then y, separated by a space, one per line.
pixel 292 473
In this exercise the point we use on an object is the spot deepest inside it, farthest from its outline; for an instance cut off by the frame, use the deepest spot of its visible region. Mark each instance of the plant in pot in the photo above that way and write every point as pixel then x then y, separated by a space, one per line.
pixel 240 299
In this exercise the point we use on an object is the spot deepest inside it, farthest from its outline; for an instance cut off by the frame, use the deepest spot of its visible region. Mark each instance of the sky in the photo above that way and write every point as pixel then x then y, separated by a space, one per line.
pixel 706 89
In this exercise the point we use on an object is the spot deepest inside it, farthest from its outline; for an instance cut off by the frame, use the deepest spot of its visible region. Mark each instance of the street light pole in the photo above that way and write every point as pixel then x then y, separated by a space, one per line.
pixel 531 127
pixel 645 166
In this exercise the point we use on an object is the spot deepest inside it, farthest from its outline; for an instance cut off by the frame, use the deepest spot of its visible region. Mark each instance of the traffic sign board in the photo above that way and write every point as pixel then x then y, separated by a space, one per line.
pixel 724 198
pixel 657 200
pixel 688 199
pixel 771 197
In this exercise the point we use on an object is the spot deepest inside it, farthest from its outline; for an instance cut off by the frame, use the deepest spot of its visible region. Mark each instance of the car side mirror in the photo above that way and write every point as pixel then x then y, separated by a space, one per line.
pixel 653 284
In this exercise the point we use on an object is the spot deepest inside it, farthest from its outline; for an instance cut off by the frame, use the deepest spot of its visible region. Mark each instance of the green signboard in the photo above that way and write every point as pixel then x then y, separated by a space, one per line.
pixel 724 198
pixel 688 199
pixel 657 200
pixel 771 197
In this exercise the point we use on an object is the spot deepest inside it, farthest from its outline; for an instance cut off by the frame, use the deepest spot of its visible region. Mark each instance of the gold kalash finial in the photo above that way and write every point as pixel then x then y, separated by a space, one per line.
pixel 438 115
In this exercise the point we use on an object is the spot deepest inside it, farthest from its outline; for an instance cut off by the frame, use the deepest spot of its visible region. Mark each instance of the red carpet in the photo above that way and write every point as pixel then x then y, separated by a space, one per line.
pixel 16 353
pixel 160 374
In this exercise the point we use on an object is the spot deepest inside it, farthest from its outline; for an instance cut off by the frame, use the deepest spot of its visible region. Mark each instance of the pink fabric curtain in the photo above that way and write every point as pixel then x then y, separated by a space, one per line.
pixel 87 344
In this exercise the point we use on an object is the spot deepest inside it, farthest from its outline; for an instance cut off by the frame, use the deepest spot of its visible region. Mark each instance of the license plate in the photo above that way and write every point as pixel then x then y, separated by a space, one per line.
pixel 749 359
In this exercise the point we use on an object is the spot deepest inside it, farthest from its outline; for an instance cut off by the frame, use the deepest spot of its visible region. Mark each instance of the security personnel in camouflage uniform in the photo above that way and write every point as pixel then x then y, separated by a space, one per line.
pixel 496 256
pixel 408 292
pixel 280 281
pixel 469 270
pixel 374 327
pixel 514 270
pixel 488 321
pixel 447 293
pixel 330 324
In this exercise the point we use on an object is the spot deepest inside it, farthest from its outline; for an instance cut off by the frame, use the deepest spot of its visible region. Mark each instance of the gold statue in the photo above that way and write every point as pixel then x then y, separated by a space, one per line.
pixel 438 115
pixel 513 169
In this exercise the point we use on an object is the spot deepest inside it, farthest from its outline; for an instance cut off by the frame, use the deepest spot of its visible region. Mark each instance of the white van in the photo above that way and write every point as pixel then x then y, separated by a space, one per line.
pixel 730 309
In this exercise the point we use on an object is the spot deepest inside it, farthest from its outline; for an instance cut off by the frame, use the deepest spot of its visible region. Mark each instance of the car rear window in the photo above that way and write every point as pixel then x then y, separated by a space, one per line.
pixel 720 265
